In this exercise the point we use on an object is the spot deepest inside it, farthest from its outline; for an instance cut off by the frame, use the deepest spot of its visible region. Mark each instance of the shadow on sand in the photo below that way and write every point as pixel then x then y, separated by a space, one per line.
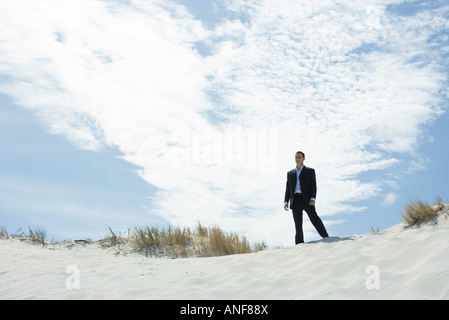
pixel 332 239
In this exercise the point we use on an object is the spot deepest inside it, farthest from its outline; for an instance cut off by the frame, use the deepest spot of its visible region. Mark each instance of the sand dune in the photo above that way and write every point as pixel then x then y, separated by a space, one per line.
pixel 397 263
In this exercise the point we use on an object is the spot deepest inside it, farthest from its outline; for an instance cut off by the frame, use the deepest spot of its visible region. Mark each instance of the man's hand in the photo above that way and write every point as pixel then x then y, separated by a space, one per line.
pixel 286 207
pixel 311 202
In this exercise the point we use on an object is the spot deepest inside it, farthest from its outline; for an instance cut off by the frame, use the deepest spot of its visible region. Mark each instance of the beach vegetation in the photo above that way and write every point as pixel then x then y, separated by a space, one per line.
pixel 172 242
pixel 3 232
pixel 199 241
pixel 418 212
pixel 37 235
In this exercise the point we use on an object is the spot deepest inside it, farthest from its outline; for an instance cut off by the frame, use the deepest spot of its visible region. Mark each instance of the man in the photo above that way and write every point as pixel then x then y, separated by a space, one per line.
pixel 301 192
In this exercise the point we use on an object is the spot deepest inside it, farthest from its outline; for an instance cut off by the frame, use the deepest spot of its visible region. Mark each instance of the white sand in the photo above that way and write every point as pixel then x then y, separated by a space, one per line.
pixel 398 263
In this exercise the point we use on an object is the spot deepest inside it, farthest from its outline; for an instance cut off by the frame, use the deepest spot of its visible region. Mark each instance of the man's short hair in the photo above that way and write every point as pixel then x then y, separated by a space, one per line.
pixel 303 155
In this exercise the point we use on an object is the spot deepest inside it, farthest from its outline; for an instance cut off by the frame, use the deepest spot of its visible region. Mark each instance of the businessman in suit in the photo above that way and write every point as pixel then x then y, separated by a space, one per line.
pixel 301 192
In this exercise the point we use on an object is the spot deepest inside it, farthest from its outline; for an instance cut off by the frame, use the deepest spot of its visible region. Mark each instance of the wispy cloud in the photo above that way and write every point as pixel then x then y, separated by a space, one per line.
pixel 349 84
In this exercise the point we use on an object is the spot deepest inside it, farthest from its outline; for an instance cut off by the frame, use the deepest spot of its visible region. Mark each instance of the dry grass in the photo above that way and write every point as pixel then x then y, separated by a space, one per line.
pixel 3 233
pixel 418 212
pixel 37 235
pixel 199 241
pixel 160 241
pixel 34 235
pixel 116 241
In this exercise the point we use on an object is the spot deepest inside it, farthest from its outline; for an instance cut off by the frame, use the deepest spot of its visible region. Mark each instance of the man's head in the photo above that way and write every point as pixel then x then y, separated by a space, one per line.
pixel 299 158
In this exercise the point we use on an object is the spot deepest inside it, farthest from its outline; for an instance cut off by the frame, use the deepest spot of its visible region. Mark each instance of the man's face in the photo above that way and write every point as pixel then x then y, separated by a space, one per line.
pixel 299 159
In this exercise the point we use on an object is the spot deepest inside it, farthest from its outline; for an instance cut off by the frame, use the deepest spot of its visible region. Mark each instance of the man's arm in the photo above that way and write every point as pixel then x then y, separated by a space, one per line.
pixel 287 195
pixel 313 188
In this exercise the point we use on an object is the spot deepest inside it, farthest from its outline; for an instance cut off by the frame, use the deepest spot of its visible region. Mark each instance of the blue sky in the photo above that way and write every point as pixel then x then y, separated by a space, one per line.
pixel 131 113
pixel 46 181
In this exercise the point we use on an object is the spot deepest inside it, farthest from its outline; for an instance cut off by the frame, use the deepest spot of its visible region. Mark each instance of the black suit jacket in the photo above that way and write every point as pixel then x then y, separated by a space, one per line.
pixel 307 179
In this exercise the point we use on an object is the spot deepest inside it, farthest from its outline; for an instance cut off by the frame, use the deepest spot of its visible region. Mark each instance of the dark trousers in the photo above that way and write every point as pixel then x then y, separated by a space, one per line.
pixel 299 204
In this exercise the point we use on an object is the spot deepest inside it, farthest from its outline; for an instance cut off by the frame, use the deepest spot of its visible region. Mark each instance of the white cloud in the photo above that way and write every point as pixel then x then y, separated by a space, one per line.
pixel 389 199
pixel 350 85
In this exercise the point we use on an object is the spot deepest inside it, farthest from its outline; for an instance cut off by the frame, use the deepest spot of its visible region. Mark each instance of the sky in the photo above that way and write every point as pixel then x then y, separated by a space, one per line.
pixel 124 114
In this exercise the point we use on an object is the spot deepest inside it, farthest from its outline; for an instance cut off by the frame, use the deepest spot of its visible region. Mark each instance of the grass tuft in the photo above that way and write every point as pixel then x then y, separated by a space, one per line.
pixel 418 212
pixel 191 242
pixel 37 235
pixel 3 233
